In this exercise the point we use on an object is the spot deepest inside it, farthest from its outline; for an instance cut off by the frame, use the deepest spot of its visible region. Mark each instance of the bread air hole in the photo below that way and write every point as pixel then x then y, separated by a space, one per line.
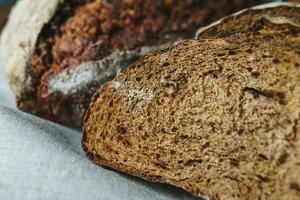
pixel 249 51
pixel 193 162
pixel 232 52
pixel 295 186
pixel 255 74
pixel 276 61
pixel 121 130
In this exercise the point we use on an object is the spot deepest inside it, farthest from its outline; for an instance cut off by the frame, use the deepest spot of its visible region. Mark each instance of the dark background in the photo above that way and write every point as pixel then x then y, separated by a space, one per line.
pixel 5 6
pixel 3 14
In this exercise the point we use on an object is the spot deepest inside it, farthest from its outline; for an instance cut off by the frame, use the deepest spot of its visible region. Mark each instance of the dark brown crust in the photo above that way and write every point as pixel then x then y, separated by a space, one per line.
pixel 28 101
pixel 148 177
pixel 45 62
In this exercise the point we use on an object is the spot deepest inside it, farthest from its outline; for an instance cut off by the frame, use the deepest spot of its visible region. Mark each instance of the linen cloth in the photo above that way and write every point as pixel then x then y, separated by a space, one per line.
pixel 43 160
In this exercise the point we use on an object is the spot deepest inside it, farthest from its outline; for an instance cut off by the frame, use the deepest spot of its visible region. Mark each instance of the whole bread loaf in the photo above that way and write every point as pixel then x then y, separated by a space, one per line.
pixel 58 53
pixel 216 116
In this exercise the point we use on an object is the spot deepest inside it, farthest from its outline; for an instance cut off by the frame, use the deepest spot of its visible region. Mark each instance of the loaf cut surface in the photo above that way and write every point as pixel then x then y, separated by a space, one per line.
pixel 251 19
pixel 218 117
pixel 66 49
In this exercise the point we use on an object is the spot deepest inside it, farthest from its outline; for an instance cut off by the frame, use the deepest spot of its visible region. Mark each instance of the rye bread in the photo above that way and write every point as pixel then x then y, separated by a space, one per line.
pixel 218 117
pixel 252 18
pixel 58 53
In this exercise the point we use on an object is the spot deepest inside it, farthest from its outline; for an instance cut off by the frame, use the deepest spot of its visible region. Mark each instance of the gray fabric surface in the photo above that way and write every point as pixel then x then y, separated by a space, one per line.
pixel 42 160
pixel 6 97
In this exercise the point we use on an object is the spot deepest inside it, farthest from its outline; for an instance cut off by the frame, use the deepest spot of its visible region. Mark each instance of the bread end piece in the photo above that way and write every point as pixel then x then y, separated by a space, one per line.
pixel 19 37
pixel 214 116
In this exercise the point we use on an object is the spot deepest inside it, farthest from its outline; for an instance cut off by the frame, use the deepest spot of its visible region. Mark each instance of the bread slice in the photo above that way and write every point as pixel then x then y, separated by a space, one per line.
pixel 59 52
pixel 245 20
pixel 218 117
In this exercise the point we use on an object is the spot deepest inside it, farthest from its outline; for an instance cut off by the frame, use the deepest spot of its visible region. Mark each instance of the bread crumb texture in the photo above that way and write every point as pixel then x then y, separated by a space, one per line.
pixel 215 116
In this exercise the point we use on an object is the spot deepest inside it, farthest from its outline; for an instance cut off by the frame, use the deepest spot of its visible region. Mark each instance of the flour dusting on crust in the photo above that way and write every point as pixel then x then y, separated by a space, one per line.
pixel 73 80
pixel 19 38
